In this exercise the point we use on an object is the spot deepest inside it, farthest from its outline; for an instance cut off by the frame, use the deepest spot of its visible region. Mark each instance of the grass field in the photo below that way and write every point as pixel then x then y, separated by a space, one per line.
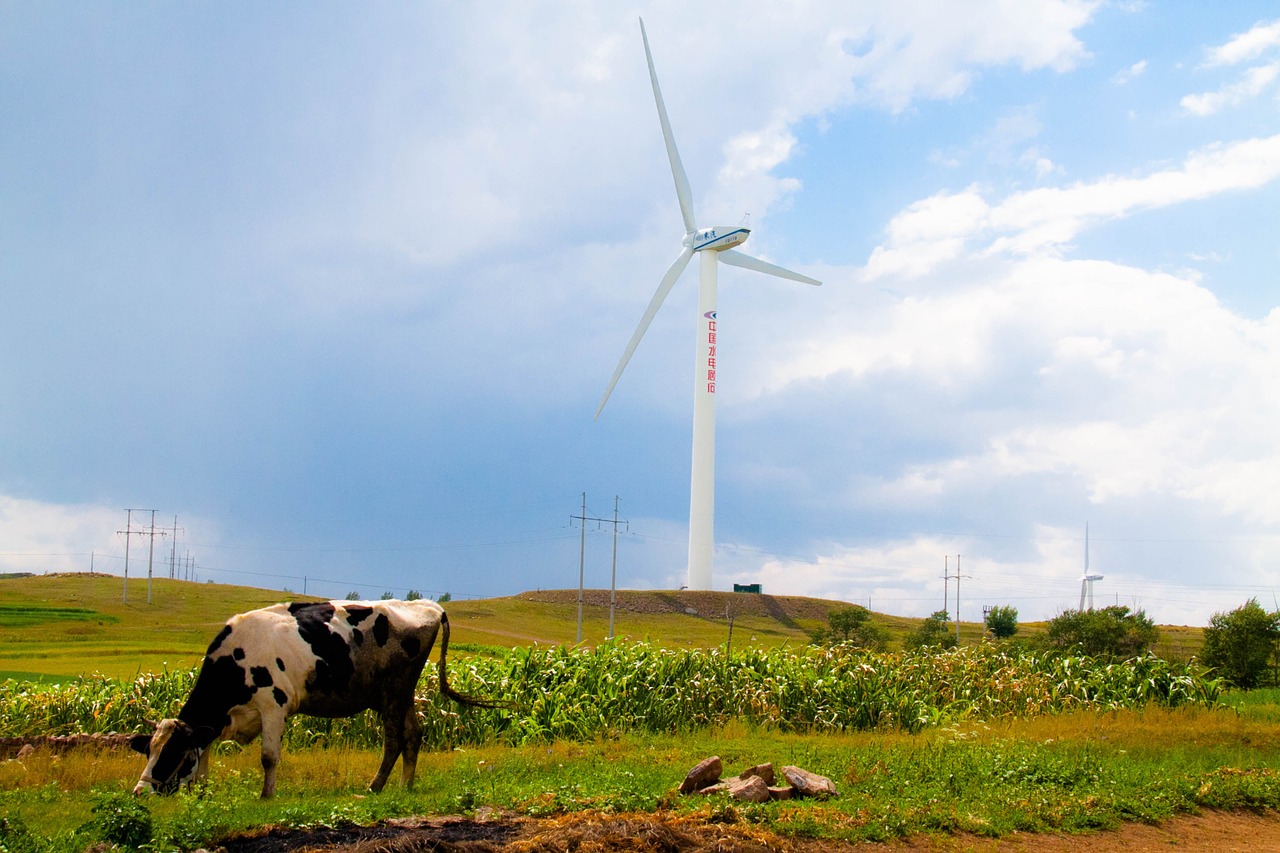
pixel 1072 772
pixel 983 768
pixel 53 626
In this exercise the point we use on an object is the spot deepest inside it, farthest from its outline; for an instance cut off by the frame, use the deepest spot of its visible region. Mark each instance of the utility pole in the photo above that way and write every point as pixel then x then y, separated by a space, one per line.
pixel 582 551
pixel 946 582
pixel 151 552
pixel 613 579
pixel 173 553
pixel 958 597
pixel 582 554
pixel 128 531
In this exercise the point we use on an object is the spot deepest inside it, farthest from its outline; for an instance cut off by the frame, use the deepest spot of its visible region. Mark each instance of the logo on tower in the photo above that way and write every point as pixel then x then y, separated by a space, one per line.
pixel 711 351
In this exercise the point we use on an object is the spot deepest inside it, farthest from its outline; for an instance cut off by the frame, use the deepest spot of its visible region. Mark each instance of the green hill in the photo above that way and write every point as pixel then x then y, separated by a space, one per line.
pixel 74 624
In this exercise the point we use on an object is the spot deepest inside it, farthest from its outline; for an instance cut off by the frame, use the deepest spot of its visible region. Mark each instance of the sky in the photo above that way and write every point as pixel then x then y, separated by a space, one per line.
pixel 336 289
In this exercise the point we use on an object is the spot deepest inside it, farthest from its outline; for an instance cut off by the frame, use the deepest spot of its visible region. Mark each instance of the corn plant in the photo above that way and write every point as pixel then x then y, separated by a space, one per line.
pixel 558 693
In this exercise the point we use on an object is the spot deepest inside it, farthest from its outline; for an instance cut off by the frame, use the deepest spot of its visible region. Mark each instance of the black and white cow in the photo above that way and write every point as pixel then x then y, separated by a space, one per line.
pixel 331 659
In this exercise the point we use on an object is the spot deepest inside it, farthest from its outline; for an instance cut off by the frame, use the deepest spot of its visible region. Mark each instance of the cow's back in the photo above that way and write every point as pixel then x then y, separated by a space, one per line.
pixel 331 659
pixel 364 651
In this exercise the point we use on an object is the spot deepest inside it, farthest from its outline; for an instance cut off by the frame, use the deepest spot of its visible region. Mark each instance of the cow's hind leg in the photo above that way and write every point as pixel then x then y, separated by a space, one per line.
pixel 412 741
pixel 392 745
pixel 272 738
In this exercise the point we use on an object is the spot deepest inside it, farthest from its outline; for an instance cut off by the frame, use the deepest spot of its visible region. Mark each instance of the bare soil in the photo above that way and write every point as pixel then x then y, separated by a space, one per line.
pixel 586 832
pixel 784 608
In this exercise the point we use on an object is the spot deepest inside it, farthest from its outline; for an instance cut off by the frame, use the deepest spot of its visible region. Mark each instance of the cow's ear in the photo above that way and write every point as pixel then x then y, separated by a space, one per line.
pixel 141 743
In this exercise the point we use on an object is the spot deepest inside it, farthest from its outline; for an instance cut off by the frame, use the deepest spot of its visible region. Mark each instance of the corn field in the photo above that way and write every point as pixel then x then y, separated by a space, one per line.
pixel 583 694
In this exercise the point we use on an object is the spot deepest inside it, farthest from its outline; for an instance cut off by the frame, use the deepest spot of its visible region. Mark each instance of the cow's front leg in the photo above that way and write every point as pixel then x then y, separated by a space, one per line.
pixel 202 766
pixel 392 744
pixel 272 736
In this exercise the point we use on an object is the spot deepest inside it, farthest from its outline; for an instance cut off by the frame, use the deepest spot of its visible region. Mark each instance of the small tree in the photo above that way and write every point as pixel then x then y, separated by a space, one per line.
pixel 1002 621
pixel 444 598
pixel 353 596
pixel 413 595
pixel 387 596
pixel 1108 632
pixel 1240 644
pixel 852 625
pixel 931 632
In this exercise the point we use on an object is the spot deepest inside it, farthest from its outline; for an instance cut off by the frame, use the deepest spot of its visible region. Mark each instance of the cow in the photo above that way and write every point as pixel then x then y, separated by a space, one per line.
pixel 327 659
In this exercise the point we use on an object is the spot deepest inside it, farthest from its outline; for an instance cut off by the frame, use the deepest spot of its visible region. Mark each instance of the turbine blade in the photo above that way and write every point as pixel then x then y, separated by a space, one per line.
pixel 683 193
pixel 738 259
pixel 668 280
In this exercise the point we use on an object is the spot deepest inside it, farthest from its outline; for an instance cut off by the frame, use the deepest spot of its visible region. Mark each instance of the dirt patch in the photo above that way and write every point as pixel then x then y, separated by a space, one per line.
pixel 707 604
pixel 587 832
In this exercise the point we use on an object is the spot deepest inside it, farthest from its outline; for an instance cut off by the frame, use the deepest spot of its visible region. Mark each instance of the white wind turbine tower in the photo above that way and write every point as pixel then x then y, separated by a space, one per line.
pixel 713 245
pixel 1087 579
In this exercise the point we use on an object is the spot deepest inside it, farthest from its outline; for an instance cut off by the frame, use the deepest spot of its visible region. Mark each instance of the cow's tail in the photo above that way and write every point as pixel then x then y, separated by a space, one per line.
pixel 444 678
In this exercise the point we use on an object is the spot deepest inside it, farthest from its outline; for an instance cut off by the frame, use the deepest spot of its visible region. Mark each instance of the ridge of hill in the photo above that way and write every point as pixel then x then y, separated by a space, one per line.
pixel 59 625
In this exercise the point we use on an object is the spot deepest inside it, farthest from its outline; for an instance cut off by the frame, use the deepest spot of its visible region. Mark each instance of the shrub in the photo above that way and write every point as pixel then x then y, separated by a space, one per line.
pixel 120 818
pixel 932 632
pixel 15 837
pixel 1240 644
pixel 852 625
pixel 1110 632
pixel 1002 621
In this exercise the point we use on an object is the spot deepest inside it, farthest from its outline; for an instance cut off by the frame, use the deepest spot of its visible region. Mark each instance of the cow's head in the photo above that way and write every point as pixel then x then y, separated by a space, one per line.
pixel 173 756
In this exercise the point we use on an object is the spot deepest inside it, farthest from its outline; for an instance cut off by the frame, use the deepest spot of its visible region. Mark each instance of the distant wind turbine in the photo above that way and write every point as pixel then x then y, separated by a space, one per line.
pixel 1088 578
pixel 714 245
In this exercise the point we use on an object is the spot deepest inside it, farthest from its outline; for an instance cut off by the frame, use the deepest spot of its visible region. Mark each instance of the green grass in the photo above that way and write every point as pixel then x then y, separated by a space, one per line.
pixel 989 764
pixel 1072 772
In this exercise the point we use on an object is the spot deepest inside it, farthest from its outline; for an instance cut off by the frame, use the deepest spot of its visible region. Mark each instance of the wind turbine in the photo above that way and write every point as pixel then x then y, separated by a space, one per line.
pixel 713 245
pixel 1087 579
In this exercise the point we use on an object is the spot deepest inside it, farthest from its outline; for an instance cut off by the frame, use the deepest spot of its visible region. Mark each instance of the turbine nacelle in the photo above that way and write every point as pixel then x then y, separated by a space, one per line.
pixel 717 239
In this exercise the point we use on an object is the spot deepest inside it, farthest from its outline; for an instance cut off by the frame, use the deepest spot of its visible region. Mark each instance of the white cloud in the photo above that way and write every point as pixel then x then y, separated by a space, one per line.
pixel 1255 82
pixel 943 227
pixel 1246 46
pixel 1134 71
pixel 912 51
pixel 42 537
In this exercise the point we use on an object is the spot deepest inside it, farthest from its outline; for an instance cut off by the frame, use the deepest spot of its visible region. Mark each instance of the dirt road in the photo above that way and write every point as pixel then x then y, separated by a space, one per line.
pixel 586 832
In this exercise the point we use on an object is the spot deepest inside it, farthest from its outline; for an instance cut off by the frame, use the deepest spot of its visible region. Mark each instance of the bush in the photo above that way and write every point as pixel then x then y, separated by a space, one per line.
pixel 1240 644
pixel 852 625
pixel 120 818
pixel 1002 621
pixel 1110 632
pixel 15 837
pixel 932 632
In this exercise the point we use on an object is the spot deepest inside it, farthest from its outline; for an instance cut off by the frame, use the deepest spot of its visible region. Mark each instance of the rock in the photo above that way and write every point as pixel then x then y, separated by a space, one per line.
pixel 809 784
pixel 764 771
pixel 751 789
pixel 782 792
pixel 706 772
